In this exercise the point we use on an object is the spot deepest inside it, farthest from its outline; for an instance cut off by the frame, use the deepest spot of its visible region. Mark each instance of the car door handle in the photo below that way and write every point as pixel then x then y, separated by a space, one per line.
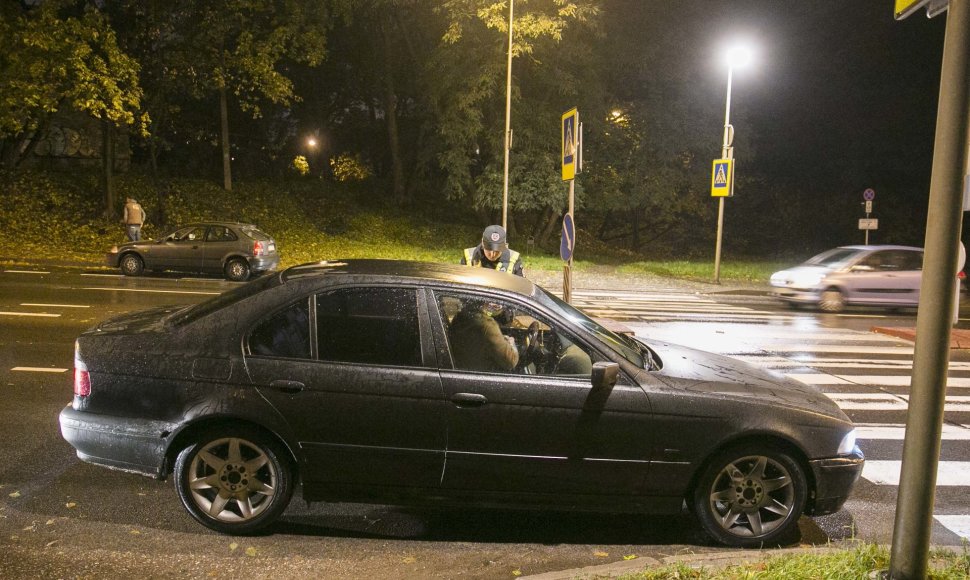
pixel 291 387
pixel 468 400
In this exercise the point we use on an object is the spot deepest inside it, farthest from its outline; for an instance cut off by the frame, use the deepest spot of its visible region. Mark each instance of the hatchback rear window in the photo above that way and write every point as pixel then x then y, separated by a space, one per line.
pixel 255 234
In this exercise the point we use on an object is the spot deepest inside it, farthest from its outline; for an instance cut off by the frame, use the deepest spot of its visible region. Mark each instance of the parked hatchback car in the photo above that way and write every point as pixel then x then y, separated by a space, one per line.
pixel 854 276
pixel 363 381
pixel 234 250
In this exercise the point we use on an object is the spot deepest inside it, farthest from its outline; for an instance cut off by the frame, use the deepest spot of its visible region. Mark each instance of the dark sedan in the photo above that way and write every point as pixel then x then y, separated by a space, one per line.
pixel 234 250
pixel 412 383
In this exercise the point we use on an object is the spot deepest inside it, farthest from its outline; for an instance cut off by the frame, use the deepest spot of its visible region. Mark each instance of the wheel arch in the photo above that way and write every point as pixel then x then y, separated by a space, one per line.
pixel 773 441
pixel 190 434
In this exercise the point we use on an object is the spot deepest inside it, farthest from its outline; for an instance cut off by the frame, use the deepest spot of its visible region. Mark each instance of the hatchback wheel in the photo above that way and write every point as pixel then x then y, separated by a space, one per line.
pixel 234 482
pixel 832 300
pixel 749 497
pixel 132 265
pixel 237 270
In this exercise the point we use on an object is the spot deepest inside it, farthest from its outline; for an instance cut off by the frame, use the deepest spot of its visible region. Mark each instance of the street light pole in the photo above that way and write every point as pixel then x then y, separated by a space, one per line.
pixel 727 152
pixel 508 126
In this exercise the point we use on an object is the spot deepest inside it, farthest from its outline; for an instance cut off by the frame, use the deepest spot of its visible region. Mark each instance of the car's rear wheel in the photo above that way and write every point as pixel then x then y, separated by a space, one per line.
pixel 234 482
pixel 832 300
pixel 750 496
pixel 131 265
pixel 237 270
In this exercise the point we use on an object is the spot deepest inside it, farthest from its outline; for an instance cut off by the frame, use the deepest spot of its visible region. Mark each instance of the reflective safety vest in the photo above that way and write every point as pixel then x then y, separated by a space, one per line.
pixel 505 263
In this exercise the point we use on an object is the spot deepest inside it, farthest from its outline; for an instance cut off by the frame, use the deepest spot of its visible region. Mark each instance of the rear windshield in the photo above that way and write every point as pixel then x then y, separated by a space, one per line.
pixel 255 234
pixel 197 311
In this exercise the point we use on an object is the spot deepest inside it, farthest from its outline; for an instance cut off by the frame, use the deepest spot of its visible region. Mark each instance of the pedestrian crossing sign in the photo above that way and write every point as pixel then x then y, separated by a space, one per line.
pixel 722 178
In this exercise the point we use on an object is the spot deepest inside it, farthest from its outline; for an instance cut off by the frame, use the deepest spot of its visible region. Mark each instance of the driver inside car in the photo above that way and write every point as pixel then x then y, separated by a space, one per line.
pixel 477 342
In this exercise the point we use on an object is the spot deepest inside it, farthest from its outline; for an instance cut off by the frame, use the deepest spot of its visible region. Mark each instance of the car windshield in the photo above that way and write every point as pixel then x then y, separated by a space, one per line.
pixel 197 311
pixel 832 257
pixel 627 347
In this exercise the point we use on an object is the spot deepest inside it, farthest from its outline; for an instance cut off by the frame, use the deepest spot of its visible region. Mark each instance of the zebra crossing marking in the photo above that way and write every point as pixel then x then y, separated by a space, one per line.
pixel 897 432
pixel 948 473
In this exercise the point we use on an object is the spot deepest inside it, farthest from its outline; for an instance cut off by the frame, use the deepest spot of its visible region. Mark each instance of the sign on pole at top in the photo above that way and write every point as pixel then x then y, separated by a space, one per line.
pixel 722 178
pixel 905 8
pixel 570 143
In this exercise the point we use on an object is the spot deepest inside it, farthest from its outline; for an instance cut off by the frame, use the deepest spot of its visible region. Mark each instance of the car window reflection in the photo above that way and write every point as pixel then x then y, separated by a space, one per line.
pixel 369 325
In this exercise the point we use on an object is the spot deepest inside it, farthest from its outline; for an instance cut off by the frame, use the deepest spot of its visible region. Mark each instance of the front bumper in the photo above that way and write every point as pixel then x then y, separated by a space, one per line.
pixel 798 295
pixel 122 443
pixel 834 480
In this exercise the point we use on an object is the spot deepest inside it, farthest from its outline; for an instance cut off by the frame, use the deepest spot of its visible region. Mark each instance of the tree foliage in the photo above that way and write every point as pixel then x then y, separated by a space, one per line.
pixel 61 54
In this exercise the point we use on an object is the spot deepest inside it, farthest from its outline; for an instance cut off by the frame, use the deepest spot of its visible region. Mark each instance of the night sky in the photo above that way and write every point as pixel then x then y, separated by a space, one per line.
pixel 840 97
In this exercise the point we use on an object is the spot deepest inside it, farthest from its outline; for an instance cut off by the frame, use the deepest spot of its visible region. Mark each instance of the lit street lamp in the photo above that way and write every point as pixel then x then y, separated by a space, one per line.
pixel 737 56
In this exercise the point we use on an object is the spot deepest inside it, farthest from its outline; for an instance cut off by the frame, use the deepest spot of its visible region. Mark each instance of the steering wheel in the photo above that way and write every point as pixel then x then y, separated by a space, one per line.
pixel 533 350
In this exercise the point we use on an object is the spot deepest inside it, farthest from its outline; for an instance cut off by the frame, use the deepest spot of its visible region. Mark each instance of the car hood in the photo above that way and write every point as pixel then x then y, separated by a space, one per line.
pixel 143 320
pixel 698 371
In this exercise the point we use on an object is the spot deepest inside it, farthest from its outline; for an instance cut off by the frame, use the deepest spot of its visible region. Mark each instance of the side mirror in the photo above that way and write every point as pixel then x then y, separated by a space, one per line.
pixel 604 375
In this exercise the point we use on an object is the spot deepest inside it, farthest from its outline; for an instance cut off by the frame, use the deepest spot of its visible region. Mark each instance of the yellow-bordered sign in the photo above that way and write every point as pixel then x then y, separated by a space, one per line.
pixel 722 178
pixel 570 143
pixel 904 8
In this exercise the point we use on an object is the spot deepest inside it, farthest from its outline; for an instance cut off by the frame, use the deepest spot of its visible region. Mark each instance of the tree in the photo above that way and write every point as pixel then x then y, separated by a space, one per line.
pixel 470 68
pixel 243 47
pixel 61 55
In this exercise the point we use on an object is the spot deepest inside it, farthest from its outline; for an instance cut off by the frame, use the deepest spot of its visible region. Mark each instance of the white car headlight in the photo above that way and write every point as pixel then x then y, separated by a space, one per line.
pixel 848 443
pixel 806 280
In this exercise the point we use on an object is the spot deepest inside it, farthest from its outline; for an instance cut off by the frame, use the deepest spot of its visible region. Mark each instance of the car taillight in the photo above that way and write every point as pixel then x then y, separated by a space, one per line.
pixel 82 382
pixel 258 248
pixel 961 274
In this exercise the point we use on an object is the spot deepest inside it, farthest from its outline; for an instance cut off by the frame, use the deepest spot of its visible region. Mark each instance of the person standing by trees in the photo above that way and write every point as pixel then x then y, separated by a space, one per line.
pixel 133 218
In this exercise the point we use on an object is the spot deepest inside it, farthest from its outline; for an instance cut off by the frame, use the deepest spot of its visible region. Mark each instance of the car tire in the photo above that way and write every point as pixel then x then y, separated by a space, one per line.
pixel 750 496
pixel 234 482
pixel 131 265
pixel 237 270
pixel 831 300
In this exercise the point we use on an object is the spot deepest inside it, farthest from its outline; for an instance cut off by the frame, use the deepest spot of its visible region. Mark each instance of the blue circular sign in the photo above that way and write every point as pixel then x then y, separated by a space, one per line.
pixel 869 194
pixel 568 242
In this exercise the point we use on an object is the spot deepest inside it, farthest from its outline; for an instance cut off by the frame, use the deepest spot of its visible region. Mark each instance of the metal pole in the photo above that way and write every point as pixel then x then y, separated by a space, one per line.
pixel 567 272
pixel 724 153
pixel 508 126
pixel 921 448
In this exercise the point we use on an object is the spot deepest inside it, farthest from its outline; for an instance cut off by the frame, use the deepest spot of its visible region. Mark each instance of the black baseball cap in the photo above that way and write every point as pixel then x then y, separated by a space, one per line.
pixel 494 238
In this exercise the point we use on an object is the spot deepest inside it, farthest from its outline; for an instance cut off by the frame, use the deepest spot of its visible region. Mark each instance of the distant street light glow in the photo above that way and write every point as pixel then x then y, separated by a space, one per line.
pixel 311 142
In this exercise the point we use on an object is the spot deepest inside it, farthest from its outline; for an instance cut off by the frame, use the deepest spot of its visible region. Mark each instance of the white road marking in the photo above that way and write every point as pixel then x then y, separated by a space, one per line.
pixel 39 314
pixel 948 474
pixel 38 370
pixel 887 402
pixel 897 432
pixel 883 381
pixel 104 275
pixel 25 272
pixel 959 525
pixel 153 291
pixel 56 305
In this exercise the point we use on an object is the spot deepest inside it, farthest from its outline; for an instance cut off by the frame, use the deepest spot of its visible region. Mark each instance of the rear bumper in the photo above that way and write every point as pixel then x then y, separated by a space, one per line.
pixel 834 480
pixel 122 443
pixel 111 259
pixel 264 263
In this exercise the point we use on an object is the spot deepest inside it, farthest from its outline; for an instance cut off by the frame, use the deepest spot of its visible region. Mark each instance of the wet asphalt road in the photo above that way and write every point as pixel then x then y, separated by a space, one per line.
pixel 61 518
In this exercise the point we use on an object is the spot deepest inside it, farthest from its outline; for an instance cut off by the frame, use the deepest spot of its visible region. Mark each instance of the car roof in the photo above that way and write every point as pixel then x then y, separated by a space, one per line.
pixel 219 223
pixel 872 247
pixel 400 270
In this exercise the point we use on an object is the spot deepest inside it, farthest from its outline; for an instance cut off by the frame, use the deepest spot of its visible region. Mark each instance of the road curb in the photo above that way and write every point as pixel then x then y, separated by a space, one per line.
pixel 695 561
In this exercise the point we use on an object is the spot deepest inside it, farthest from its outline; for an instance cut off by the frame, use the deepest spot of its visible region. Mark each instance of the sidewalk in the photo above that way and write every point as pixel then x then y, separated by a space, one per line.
pixel 959 337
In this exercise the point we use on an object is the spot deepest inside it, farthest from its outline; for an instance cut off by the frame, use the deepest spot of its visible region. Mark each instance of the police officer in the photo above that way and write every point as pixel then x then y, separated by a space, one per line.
pixel 494 253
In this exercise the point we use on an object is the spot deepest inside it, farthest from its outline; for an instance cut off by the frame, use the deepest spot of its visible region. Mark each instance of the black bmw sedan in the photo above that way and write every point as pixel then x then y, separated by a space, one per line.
pixel 413 383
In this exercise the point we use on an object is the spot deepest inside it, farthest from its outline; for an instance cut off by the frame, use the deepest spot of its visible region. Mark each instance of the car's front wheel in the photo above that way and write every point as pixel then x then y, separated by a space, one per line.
pixel 132 265
pixel 234 482
pixel 237 270
pixel 832 300
pixel 749 496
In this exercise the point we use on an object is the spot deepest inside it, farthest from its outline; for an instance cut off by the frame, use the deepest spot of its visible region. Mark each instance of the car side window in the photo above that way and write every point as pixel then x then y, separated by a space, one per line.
pixel 220 234
pixel 283 334
pixel 370 326
pixel 498 336
pixel 189 235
